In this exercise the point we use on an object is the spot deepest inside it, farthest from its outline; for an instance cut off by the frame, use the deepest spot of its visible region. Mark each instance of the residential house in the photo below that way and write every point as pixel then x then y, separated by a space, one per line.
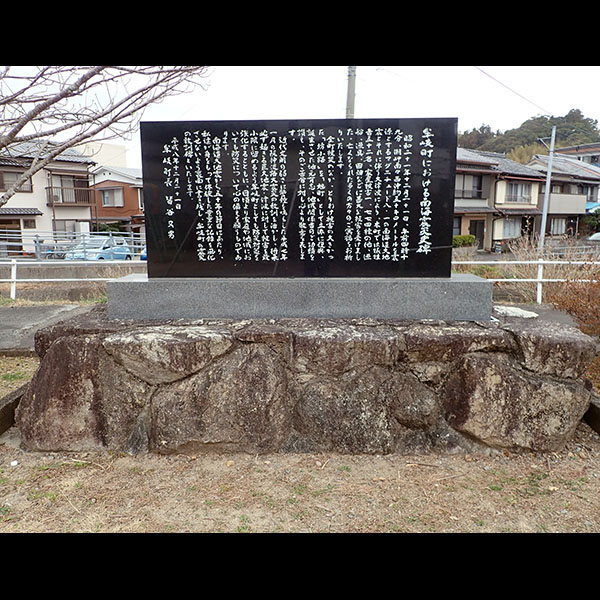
pixel 574 187
pixel 119 200
pixel 473 196
pixel 587 153
pixel 590 155
pixel 55 199
pixel 503 202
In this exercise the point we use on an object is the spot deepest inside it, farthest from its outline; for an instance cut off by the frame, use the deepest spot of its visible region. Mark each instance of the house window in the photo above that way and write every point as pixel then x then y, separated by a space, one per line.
pixel 558 226
pixel 512 227
pixel 112 197
pixel 8 178
pixel 456 226
pixel 65 225
pixel 468 186
pixel 28 223
pixel 518 192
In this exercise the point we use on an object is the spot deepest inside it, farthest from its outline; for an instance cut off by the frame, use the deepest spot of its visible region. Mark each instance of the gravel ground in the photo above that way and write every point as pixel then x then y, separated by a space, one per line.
pixel 295 493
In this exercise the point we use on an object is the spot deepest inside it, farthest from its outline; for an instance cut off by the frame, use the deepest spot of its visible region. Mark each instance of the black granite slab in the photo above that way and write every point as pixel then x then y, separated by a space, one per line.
pixel 290 198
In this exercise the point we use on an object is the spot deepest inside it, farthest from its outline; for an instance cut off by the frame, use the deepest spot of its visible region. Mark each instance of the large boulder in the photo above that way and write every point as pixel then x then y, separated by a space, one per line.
pixel 489 399
pixel 348 386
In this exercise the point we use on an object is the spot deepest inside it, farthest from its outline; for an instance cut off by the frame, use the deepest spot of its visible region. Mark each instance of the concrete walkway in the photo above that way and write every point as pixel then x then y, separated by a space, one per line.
pixel 18 324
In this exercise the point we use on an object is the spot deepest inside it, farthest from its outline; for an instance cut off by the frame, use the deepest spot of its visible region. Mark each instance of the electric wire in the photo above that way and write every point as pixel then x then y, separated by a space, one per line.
pixel 545 110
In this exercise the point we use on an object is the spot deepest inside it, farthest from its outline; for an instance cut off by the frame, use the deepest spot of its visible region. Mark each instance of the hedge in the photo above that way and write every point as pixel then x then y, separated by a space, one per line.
pixel 458 241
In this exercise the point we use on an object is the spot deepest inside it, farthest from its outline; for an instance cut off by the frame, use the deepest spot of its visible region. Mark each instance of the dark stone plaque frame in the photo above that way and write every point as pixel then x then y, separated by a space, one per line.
pixel 178 257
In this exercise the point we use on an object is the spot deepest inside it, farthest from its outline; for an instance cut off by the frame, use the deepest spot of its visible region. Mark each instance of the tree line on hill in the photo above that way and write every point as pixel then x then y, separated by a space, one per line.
pixel 522 143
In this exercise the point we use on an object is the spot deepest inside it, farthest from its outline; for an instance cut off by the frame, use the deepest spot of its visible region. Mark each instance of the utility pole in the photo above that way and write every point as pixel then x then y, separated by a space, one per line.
pixel 540 275
pixel 351 92
pixel 547 190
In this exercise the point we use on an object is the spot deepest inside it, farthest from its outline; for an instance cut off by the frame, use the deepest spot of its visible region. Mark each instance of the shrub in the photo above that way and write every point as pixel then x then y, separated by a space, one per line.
pixel 579 288
pixel 459 241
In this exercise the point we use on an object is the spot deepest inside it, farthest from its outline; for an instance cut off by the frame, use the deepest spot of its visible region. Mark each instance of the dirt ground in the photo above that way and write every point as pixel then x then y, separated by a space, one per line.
pixel 295 493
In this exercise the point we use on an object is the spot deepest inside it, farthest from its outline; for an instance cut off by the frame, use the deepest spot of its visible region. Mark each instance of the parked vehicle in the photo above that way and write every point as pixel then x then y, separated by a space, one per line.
pixel 101 248
pixel 595 237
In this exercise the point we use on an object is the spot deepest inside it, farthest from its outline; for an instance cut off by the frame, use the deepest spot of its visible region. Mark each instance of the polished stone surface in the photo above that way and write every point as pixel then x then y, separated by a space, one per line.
pixel 461 297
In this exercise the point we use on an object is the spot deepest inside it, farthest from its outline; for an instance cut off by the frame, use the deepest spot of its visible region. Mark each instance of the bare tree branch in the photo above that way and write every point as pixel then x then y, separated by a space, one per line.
pixel 78 104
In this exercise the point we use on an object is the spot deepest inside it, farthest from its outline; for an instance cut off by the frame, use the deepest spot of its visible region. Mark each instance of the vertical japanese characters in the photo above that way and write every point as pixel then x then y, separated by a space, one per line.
pixel 172 182
pixel 426 154
pixel 370 186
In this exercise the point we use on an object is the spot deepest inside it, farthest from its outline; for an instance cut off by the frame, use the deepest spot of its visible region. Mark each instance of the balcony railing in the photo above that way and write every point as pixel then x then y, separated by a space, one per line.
pixel 468 194
pixel 518 198
pixel 65 196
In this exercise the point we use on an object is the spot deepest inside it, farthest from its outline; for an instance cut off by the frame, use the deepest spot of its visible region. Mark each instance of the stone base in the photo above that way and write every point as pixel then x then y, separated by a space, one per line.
pixel 462 297
pixel 359 386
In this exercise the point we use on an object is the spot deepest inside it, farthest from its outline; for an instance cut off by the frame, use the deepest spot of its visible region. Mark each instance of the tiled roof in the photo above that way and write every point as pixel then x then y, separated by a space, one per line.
pixel 570 166
pixel 580 147
pixel 13 153
pixel 465 155
pixel 6 211
pixel 498 162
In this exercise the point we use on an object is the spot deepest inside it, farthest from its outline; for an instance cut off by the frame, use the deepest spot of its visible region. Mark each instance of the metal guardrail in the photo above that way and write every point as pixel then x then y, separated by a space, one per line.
pixel 539 280
pixel 56 244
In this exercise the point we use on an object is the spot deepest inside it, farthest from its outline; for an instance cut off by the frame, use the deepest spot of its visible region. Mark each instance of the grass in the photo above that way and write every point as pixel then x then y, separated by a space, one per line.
pixel 13 376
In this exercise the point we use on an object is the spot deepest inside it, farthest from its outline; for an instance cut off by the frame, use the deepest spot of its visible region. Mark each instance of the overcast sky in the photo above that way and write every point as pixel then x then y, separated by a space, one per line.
pixel 499 96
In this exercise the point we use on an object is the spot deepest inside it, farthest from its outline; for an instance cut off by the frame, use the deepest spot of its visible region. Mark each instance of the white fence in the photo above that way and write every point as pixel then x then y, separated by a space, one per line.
pixel 113 266
pixel 539 280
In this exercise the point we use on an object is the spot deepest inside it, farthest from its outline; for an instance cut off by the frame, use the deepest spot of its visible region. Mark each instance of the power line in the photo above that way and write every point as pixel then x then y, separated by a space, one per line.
pixel 548 113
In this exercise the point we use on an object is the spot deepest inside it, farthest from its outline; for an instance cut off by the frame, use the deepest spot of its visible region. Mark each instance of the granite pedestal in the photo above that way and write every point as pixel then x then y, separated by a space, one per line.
pixel 461 297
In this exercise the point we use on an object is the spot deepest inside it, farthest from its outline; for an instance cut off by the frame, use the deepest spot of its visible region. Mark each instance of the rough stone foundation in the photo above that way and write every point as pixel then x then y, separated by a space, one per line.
pixel 305 385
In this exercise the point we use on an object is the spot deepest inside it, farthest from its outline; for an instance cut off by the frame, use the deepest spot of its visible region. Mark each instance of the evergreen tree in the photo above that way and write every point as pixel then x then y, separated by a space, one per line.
pixel 476 138
pixel 572 129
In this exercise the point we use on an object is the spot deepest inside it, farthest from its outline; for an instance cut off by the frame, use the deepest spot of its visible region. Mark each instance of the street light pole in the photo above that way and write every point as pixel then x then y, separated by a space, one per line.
pixel 351 92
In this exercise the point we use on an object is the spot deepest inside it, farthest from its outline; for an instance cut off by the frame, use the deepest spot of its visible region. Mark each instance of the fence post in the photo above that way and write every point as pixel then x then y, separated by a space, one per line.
pixel 13 277
pixel 540 276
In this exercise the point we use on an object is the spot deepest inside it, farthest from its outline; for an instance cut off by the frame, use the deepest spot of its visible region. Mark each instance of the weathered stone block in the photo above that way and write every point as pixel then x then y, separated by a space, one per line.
pixel 238 403
pixel 490 399
pixel 338 348
pixel 163 354
pixel 553 349
pixel 318 385
pixel 79 399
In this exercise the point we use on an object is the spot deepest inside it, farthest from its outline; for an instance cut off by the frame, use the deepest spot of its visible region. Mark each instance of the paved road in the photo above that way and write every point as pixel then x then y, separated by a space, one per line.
pixel 18 324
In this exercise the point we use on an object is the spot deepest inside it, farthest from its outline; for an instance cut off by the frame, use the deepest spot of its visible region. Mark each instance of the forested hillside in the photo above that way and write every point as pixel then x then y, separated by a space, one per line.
pixel 522 143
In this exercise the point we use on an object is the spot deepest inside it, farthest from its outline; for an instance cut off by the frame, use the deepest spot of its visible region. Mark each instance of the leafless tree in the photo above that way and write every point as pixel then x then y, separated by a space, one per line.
pixel 57 108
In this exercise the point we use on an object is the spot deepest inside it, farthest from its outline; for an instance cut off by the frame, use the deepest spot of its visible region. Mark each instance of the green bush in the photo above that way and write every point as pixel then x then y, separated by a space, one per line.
pixel 459 241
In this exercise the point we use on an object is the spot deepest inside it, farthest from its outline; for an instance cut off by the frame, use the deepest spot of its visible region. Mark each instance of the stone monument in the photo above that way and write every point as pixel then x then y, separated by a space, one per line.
pixel 347 218
pixel 299 298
